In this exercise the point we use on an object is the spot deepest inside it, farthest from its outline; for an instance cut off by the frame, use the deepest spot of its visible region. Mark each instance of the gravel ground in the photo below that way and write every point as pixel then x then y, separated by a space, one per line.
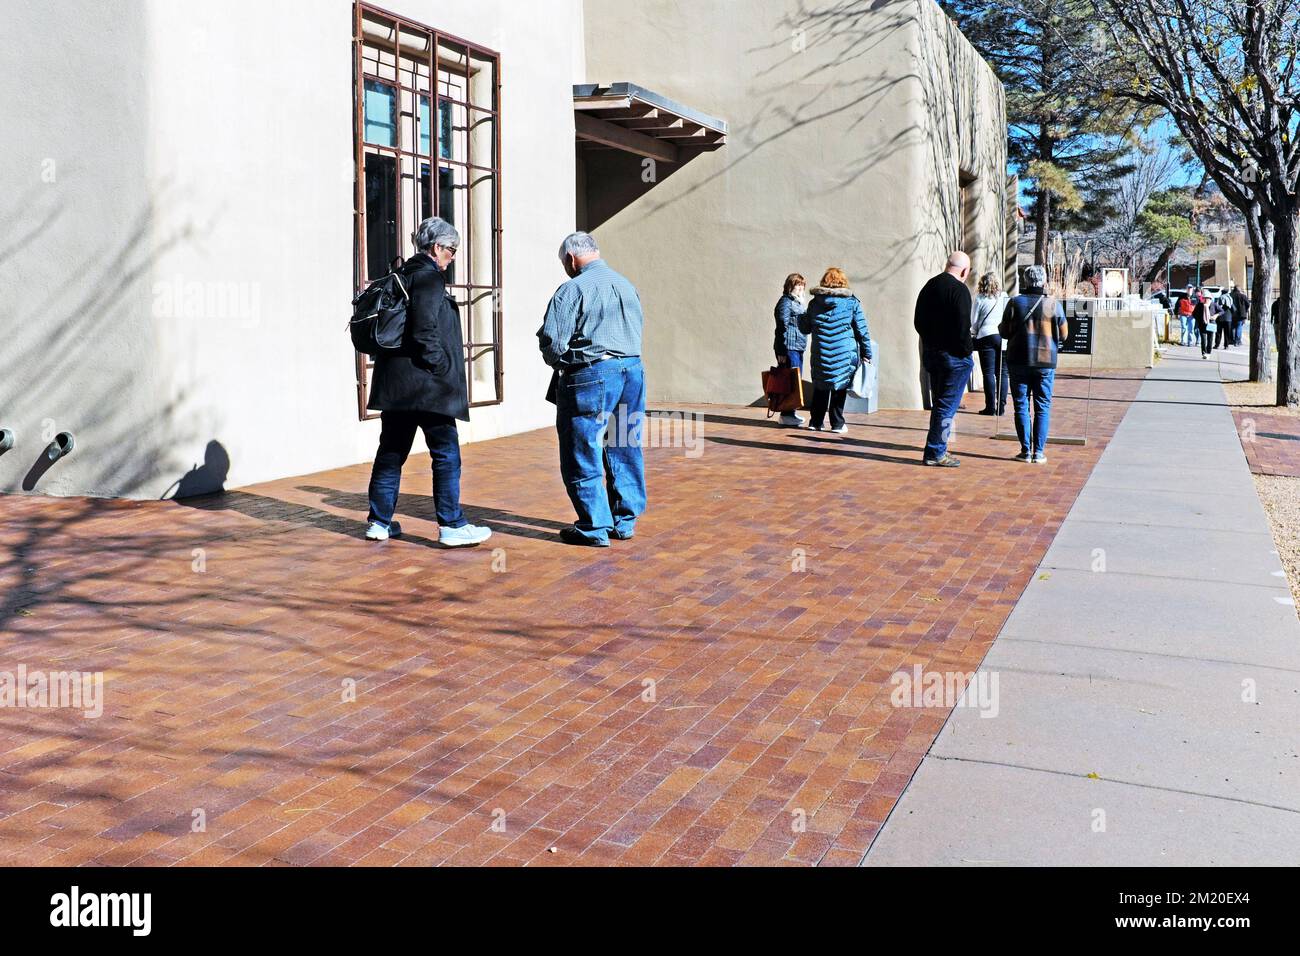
pixel 1256 397
pixel 1281 500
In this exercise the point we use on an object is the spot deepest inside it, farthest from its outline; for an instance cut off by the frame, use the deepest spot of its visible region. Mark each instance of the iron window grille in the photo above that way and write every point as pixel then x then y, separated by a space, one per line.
pixel 427 138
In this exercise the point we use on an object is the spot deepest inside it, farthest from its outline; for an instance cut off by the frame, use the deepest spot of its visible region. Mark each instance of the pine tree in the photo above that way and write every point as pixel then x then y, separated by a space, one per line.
pixel 1069 144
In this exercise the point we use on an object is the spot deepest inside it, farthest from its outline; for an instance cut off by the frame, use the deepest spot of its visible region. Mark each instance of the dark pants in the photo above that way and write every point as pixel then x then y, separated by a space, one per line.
pixel 599 412
pixel 827 398
pixel 1222 334
pixel 995 375
pixel 396 435
pixel 948 377
pixel 1207 338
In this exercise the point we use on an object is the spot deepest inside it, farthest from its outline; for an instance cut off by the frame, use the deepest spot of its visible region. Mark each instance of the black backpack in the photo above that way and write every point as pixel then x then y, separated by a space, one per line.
pixel 379 316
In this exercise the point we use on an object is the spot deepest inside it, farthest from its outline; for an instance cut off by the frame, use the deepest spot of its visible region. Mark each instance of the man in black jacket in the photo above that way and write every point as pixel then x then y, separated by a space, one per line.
pixel 424 388
pixel 943 313
pixel 1240 314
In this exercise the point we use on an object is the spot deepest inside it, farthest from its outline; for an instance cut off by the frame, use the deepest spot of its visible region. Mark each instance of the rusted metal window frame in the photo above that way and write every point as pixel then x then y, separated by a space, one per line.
pixel 474 351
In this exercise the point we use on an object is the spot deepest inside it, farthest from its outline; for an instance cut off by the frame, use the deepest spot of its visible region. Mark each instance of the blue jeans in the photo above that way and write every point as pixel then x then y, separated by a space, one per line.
pixel 599 411
pixel 796 358
pixel 948 378
pixel 1032 383
pixel 396 434
pixel 1189 333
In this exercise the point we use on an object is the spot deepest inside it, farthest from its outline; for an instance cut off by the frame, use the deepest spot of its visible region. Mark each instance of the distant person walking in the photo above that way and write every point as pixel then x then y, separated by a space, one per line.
pixel 1186 316
pixel 1034 325
pixel 790 340
pixel 1223 328
pixel 943 321
pixel 423 388
pixel 990 303
pixel 1205 313
pixel 840 341
pixel 1240 314
pixel 591 337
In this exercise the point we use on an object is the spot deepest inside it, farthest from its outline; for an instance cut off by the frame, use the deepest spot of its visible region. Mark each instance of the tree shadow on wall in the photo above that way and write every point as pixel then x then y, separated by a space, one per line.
pixel 837 78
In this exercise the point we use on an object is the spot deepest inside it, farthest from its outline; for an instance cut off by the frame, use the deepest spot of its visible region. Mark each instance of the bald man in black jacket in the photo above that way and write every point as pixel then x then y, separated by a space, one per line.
pixel 942 319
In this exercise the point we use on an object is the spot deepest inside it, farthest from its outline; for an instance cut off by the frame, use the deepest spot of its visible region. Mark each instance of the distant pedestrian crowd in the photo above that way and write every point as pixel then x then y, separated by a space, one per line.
pixel 1209 317
pixel 1017 340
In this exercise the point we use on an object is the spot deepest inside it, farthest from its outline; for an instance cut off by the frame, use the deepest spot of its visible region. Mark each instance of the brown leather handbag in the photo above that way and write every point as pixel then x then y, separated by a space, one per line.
pixel 783 386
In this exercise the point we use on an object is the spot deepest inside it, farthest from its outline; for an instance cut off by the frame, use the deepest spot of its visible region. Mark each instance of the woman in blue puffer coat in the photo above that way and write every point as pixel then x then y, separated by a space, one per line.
pixel 840 341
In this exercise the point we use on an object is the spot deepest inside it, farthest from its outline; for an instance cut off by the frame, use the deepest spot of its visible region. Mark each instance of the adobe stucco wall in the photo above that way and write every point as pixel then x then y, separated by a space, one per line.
pixel 206 150
pixel 848 127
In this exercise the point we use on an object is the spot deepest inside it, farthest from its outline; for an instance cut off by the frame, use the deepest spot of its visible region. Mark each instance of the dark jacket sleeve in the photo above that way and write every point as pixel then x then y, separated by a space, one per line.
pixel 783 317
pixel 964 306
pixel 1006 328
pixel 427 316
pixel 805 320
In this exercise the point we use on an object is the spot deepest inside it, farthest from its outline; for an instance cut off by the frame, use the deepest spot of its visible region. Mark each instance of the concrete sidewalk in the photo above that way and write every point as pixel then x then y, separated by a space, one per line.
pixel 1149 677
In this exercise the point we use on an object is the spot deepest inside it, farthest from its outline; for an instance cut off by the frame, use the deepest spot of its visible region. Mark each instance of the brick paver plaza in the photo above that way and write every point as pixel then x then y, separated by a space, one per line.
pixel 1271 442
pixel 715 691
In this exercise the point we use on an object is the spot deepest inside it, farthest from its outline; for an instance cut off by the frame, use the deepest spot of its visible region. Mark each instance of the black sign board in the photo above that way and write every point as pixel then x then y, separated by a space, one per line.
pixel 1079 341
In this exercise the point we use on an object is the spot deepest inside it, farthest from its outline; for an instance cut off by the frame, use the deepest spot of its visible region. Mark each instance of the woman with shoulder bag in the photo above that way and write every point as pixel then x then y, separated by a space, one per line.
pixel 990 303
pixel 1034 326
pixel 790 341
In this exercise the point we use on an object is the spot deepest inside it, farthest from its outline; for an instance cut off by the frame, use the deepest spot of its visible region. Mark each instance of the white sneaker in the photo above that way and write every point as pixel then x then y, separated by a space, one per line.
pixel 1024 456
pixel 791 420
pixel 840 430
pixel 463 536
pixel 377 532
pixel 1040 459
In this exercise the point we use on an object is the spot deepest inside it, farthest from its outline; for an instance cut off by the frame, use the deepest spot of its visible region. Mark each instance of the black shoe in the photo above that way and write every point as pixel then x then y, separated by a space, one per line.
pixel 572 535
pixel 986 411
pixel 947 461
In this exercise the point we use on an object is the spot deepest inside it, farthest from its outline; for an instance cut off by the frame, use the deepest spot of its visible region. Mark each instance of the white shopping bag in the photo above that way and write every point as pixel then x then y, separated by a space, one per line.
pixel 863 384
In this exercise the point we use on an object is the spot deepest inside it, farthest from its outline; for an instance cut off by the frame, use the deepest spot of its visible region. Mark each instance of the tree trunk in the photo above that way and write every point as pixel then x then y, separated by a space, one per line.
pixel 1042 222
pixel 1288 316
pixel 1261 296
pixel 1043 208
pixel 1154 272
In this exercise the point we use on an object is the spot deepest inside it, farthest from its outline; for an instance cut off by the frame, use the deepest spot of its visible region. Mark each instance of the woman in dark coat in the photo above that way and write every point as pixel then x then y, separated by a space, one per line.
pixel 1207 312
pixel 424 388
pixel 790 341
pixel 840 341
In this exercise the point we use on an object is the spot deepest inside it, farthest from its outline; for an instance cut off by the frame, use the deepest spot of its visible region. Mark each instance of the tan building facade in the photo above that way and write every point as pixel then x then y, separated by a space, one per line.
pixel 865 136
pixel 198 189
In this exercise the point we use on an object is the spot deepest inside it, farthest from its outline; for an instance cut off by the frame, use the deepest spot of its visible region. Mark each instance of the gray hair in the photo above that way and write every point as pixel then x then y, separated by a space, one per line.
pixel 579 244
pixel 1035 277
pixel 435 232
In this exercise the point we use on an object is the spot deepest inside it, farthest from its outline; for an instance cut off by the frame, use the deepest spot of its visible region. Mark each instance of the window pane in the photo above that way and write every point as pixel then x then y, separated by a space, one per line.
pixel 444 130
pixel 424 126
pixel 381 214
pixel 426 192
pixel 381 114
